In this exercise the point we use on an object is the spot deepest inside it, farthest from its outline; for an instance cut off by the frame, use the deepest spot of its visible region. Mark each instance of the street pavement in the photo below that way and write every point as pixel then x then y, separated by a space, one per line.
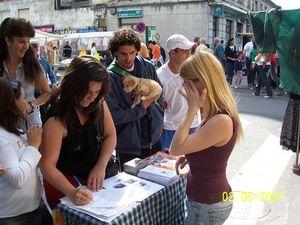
pixel 259 171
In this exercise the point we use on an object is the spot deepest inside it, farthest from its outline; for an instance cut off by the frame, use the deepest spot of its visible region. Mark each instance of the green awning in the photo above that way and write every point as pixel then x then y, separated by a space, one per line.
pixel 280 30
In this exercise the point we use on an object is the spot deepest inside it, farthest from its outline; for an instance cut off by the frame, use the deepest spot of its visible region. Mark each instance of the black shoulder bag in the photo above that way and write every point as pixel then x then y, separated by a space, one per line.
pixel 112 167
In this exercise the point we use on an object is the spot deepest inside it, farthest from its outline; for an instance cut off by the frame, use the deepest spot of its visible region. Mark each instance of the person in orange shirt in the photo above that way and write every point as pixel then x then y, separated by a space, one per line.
pixel 157 58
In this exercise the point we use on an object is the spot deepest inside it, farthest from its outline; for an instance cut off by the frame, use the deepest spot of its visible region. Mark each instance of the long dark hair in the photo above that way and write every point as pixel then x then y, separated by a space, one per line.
pixel 75 86
pixel 11 117
pixel 229 41
pixel 11 28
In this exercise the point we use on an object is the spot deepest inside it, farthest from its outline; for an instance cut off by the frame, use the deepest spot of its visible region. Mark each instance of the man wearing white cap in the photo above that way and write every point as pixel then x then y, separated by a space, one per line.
pixel 179 49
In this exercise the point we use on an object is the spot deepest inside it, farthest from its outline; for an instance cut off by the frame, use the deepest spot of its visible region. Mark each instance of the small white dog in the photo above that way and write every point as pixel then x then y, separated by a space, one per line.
pixel 143 88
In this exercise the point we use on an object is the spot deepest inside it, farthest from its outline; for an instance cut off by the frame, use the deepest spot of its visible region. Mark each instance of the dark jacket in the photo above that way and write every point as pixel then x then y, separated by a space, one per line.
pixel 220 53
pixel 67 51
pixel 230 53
pixel 134 125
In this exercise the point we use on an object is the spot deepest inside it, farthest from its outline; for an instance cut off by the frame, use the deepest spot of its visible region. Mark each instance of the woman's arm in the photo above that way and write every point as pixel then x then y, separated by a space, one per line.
pixel 43 86
pixel 18 170
pixel 53 133
pixel 216 132
pixel 97 174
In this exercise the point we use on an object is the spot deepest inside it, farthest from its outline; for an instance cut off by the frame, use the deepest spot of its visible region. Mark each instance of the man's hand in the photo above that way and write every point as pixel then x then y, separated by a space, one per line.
pixel 146 103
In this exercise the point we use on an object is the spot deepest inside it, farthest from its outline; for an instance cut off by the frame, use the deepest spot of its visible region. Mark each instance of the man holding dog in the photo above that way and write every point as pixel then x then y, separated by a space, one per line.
pixel 179 48
pixel 139 128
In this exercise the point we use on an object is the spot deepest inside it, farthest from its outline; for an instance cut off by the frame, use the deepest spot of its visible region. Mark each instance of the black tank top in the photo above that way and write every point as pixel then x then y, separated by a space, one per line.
pixel 79 152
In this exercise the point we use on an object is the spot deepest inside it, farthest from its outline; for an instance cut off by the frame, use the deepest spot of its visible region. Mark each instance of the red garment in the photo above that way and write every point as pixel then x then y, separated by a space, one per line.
pixel 207 177
pixel 156 52
pixel 53 195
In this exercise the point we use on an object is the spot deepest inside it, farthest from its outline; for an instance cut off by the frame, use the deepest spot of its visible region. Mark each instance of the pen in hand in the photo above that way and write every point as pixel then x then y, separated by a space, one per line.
pixel 80 185
pixel 77 181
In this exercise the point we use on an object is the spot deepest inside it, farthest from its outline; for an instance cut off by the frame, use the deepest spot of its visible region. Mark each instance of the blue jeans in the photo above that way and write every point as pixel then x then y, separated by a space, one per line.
pixel 40 216
pixel 167 137
pixel 230 71
pixel 249 72
pixel 205 214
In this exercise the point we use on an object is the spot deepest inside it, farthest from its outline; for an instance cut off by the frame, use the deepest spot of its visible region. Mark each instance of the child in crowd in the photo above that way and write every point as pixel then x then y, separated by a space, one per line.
pixel 239 65
pixel 20 195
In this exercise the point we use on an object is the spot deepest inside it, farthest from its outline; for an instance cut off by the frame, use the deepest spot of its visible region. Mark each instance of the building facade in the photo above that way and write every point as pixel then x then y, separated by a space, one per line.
pixel 153 19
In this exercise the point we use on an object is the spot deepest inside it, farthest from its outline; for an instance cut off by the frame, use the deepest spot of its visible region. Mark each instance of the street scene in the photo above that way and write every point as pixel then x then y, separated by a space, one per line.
pixel 259 165
pixel 149 112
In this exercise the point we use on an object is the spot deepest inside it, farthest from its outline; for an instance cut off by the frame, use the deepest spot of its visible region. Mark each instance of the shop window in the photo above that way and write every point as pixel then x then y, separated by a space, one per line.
pixel 215 26
pixel 228 29
pixel 24 13
pixel 239 27
pixel 4 14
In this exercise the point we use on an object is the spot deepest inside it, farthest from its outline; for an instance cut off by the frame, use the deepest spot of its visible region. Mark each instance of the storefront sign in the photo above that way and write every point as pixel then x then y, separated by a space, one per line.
pixel 218 11
pixel 86 30
pixel 65 31
pixel 130 13
pixel 150 33
pixel 46 28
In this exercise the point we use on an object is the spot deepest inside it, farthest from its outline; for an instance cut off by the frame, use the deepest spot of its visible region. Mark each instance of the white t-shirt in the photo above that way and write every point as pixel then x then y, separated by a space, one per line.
pixel 176 105
pixel 201 47
pixel 20 186
pixel 248 47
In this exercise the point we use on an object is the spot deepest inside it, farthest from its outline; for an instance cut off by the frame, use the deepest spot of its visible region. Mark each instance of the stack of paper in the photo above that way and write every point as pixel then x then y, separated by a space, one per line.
pixel 106 205
pixel 159 175
pixel 121 193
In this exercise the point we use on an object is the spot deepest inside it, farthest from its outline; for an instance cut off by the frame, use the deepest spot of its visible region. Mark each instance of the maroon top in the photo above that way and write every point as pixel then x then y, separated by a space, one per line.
pixel 207 177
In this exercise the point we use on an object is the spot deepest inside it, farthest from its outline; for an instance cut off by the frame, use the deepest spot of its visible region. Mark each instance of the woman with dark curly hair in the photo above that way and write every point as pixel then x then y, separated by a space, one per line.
pixel 20 194
pixel 72 145
pixel 18 62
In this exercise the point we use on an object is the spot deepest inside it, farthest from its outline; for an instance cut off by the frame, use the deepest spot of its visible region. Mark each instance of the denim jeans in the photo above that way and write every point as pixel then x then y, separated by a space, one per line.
pixel 230 71
pixel 40 216
pixel 205 214
pixel 248 71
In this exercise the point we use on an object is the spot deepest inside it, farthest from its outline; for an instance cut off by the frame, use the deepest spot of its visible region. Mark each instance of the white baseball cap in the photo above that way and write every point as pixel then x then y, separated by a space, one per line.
pixel 178 41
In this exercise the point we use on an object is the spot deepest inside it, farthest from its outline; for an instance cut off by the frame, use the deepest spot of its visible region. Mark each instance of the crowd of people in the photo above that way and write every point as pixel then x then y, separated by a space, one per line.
pixel 261 69
pixel 88 116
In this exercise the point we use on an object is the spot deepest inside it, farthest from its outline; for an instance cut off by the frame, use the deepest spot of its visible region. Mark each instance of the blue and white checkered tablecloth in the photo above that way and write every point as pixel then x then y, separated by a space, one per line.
pixel 165 207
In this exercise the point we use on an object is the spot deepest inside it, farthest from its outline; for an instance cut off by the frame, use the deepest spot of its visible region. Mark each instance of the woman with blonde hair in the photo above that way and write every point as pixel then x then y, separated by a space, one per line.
pixel 207 149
